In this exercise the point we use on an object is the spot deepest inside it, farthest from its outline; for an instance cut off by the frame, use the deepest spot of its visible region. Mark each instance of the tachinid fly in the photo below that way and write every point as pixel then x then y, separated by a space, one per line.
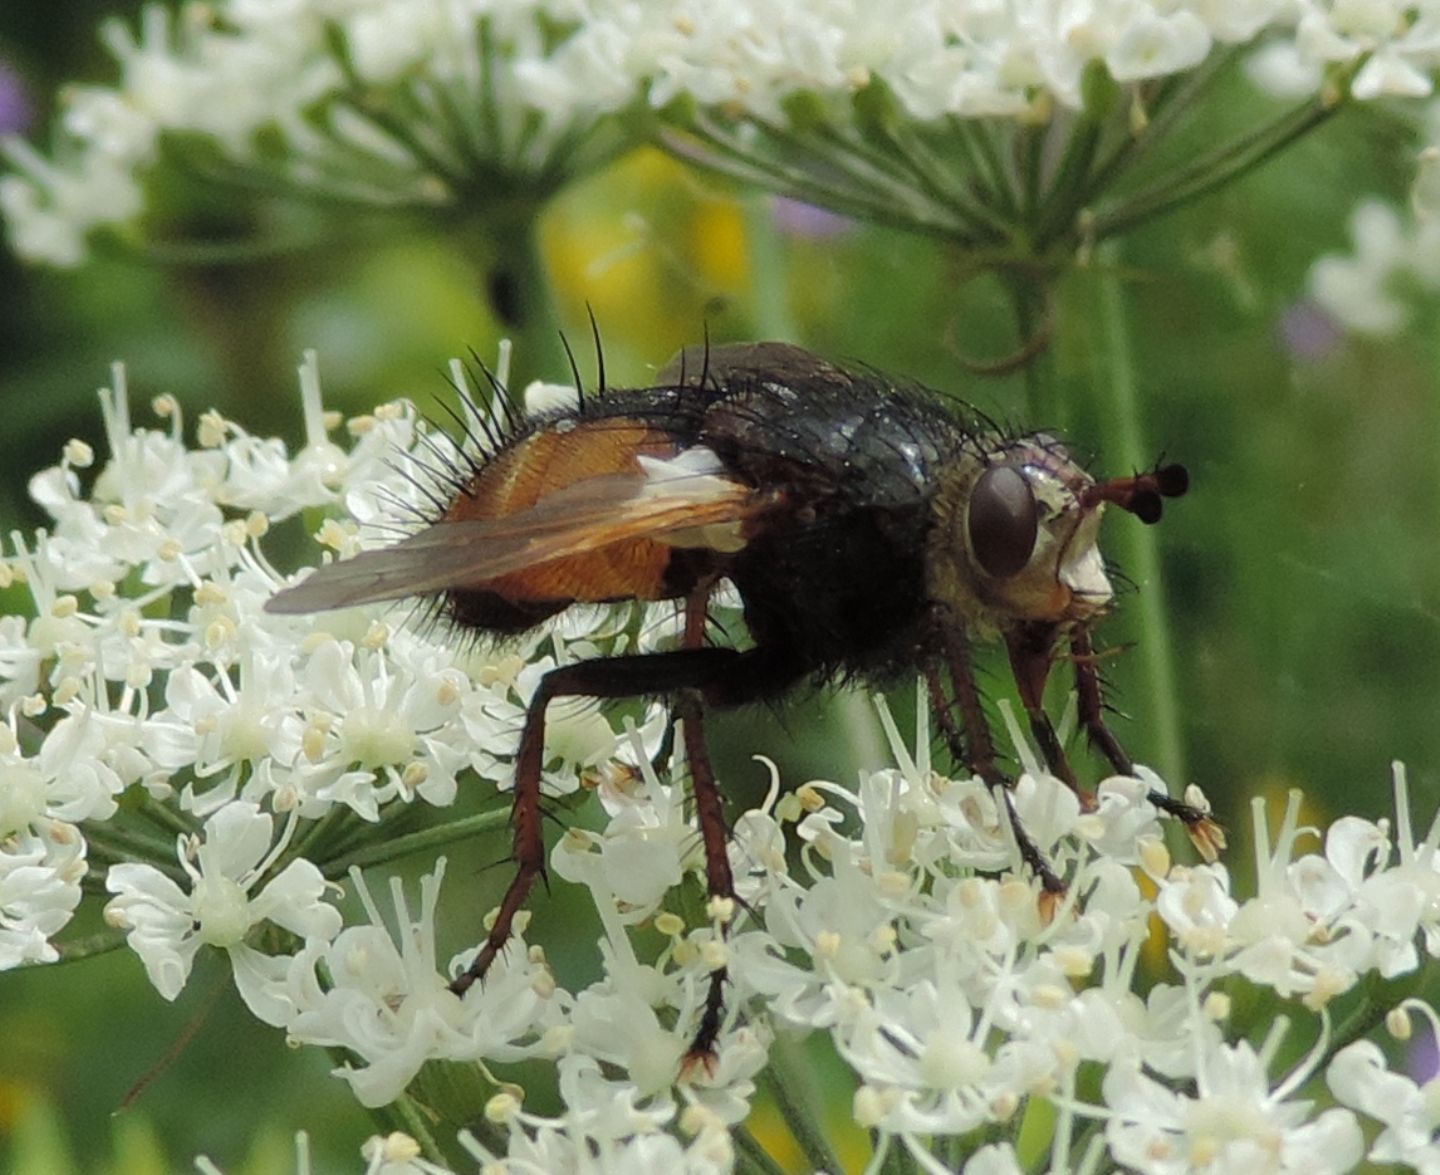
pixel 868 530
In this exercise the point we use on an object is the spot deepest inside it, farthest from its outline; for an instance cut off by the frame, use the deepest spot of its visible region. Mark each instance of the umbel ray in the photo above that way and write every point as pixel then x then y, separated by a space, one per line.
pixel 869 530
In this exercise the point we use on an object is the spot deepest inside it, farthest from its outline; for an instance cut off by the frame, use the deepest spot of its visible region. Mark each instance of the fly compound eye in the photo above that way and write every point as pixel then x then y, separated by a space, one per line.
pixel 1002 521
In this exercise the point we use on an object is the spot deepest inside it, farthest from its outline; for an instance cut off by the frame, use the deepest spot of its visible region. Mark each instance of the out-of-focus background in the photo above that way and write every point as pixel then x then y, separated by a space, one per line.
pixel 1300 572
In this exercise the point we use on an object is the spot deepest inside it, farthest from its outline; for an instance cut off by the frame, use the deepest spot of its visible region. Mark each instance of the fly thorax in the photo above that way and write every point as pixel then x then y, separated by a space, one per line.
pixel 1013 539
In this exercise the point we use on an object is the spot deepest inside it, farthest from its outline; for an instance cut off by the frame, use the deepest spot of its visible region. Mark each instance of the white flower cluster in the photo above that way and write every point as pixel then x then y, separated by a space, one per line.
pixel 955 1004
pixel 908 934
pixel 390 102
pixel 419 101
pixel 1372 289
pixel 947 58
pixel 149 668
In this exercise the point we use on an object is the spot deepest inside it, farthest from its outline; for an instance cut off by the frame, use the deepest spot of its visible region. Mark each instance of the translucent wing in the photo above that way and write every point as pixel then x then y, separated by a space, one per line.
pixel 588 516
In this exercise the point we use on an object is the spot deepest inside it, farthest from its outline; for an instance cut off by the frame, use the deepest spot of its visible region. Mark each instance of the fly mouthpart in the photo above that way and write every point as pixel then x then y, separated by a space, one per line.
pixel 1141 494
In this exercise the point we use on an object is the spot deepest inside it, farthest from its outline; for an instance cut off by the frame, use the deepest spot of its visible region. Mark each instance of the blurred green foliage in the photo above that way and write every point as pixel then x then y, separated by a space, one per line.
pixel 1300 573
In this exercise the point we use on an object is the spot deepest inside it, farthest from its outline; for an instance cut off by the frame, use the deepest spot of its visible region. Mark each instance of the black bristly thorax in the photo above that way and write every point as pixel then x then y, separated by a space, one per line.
pixel 837 576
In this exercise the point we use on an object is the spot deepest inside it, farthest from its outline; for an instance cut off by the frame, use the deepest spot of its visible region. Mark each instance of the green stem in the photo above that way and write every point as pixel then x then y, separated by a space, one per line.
pixel 899 1160
pixel 415 842
pixel 418 1127
pixel 489 99
pixel 178 254
pixel 754 1159
pixel 124 844
pixel 1214 170
pixel 444 109
pixel 1125 449
pixel 974 139
pixel 851 166
pixel 1031 294
pixel 1030 157
pixel 384 120
pixel 517 286
pixel 718 152
pixel 906 149
pixel 1363 1017
pixel 1376 1000
pixel 90 945
pixel 372 104
pixel 167 818
pixel 787 1082
pixel 1172 99
pixel 1065 195
pixel 454 1094
pixel 321 835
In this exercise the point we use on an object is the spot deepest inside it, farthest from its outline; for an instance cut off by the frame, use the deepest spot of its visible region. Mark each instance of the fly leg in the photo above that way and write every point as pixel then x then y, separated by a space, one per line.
pixel 1090 701
pixel 978 750
pixel 605 677
pixel 719 881
pixel 1206 835
pixel 1032 651
pixel 714 832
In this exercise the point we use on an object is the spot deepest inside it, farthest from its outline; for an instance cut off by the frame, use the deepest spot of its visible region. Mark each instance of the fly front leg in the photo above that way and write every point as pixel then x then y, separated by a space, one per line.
pixel 977 748
pixel 981 758
pixel 1206 835
pixel 1032 652
pixel 1090 702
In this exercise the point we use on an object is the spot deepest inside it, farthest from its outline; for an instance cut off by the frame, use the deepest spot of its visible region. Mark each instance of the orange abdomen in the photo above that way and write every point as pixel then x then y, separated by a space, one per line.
pixel 542 464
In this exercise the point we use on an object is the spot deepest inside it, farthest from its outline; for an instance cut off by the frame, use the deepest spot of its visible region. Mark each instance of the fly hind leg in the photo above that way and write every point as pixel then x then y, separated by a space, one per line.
pixel 761 672
pixel 719 880
pixel 714 832
pixel 605 677
pixel 757 673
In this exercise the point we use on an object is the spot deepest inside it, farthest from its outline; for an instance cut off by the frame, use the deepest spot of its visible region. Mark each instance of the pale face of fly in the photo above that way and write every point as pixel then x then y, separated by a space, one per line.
pixel 1021 534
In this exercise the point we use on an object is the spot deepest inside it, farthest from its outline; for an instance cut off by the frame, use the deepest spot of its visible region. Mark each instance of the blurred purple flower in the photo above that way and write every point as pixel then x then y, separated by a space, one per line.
pixel 806 220
pixel 1307 332
pixel 14 105
pixel 1422 1060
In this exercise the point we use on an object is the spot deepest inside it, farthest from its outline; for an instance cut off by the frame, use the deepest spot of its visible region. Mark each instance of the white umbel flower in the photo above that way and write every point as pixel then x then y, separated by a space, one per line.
pixel 40 875
pixel 1236 1120
pixel 166 925
pixel 388 1004
pixel 400 103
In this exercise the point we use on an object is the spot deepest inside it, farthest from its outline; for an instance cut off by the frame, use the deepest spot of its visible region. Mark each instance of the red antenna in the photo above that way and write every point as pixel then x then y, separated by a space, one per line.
pixel 1141 494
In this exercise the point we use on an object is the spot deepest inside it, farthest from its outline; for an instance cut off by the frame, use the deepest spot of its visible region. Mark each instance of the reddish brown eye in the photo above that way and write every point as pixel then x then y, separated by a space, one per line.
pixel 1002 521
